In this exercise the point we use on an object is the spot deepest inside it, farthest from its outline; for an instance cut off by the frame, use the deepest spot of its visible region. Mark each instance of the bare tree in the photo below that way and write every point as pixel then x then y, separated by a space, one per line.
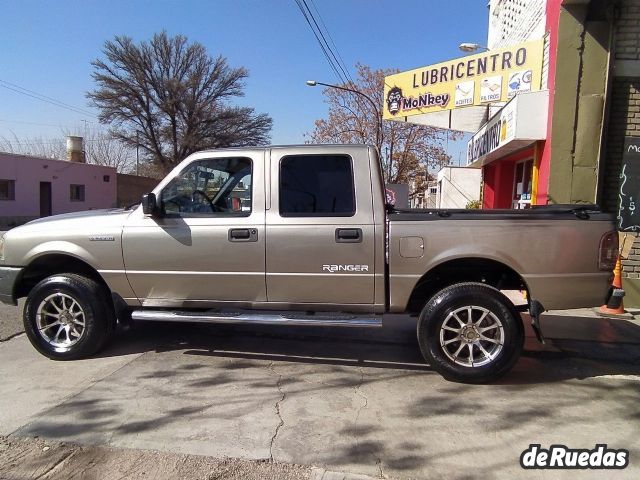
pixel 100 148
pixel 172 98
pixel 407 150
pixel 37 146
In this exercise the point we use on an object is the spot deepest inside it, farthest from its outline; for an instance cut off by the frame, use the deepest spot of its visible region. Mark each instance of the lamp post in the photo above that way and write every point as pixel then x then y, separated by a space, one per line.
pixel 471 47
pixel 313 83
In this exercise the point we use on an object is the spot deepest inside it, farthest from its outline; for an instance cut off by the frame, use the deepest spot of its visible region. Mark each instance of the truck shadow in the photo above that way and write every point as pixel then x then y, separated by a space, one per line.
pixel 391 410
pixel 392 347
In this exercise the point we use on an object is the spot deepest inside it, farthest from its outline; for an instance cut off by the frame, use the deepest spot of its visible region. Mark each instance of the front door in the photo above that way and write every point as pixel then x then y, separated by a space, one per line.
pixel 320 233
pixel 45 199
pixel 208 244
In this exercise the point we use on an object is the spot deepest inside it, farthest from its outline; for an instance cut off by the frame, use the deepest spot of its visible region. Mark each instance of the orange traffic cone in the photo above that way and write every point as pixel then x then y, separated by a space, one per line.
pixel 614 304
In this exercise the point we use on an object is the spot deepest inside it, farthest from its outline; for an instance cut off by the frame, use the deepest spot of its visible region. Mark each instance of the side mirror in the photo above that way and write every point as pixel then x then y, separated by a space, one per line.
pixel 149 204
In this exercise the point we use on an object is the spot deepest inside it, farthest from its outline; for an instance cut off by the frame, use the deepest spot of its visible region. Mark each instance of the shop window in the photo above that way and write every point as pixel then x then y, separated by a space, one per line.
pixel 7 189
pixel 77 193
pixel 522 184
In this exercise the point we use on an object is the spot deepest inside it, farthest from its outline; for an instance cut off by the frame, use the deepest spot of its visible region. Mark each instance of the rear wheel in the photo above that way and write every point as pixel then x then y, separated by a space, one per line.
pixel 68 316
pixel 471 333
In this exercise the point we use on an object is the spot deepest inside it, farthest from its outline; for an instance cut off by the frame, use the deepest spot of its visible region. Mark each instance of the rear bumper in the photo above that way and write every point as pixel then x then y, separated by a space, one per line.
pixel 8 278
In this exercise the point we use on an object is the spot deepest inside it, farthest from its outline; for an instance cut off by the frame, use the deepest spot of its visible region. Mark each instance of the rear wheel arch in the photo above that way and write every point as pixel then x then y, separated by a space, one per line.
pixel 470 332
pixel 461 270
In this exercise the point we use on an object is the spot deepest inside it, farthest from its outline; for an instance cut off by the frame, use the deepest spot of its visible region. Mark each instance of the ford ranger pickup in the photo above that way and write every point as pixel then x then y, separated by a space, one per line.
pixel 302 235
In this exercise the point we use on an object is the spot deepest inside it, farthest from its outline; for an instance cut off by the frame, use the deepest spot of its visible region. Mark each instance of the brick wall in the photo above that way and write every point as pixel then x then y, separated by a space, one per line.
pixel 131 188
pixel 624 115
pixel 627 30
pixel 631 266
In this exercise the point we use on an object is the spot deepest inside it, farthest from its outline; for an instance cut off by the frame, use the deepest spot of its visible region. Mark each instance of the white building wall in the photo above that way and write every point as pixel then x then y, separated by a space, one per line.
pixel 515 21
pixel 457 186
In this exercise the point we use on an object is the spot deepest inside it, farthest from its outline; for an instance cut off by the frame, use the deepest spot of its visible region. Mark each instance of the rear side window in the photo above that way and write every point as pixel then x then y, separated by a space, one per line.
pixel 317 186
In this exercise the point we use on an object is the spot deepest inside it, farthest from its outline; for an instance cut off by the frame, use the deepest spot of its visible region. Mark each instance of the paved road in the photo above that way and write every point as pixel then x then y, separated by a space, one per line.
pixel 359 401
pixel 11 320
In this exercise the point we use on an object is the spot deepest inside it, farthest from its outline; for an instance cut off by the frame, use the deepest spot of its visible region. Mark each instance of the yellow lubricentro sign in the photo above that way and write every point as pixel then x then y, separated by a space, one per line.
pixel 491 76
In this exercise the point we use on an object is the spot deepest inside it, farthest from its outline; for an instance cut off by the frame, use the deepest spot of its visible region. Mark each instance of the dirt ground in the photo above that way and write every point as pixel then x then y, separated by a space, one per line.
pixel 35 458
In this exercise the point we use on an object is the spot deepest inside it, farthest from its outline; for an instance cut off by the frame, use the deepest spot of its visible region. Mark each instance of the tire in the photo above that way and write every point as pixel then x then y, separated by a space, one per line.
pixel 496 334
pixel 81 308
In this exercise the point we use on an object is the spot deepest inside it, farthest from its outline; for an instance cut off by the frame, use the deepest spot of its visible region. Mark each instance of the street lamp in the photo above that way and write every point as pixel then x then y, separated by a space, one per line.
pixel 313 83
pixel 471 47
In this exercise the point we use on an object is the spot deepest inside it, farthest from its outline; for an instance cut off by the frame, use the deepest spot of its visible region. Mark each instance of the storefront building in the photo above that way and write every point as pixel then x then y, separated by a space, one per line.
pixel 511 170
pixel 564 72
pixel 570 132
pixel 591 150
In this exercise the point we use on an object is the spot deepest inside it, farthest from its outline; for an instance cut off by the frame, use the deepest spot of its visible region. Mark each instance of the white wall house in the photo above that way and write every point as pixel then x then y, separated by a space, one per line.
pixel 457 186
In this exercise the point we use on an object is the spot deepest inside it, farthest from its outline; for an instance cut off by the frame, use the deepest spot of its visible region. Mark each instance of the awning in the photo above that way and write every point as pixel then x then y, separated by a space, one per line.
pixel 520 123
pixel 467 119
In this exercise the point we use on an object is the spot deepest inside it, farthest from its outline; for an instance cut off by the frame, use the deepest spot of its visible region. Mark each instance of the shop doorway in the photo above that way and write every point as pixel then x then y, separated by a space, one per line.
pixel 522 184
pixel 45 199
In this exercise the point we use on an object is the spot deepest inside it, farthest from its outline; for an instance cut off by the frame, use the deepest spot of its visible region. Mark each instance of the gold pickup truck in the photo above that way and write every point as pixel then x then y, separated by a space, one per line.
pixel 302 235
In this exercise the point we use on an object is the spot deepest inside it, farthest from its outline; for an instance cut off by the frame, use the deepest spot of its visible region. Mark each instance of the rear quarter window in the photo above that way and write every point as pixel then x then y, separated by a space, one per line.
pixel 317 186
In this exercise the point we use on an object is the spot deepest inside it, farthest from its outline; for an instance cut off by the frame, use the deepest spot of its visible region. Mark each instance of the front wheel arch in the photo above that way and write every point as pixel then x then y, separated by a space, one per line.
pixel 50 308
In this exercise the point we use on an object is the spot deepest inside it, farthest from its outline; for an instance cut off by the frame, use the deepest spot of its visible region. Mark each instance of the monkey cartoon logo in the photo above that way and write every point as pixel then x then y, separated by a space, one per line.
pixel 394 97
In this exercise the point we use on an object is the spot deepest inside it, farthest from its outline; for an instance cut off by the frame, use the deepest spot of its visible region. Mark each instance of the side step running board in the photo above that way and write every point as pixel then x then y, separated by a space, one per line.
pixel 256 318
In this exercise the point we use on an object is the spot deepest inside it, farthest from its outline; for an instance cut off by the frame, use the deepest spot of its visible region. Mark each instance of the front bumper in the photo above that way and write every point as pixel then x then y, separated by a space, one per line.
pixel 8 278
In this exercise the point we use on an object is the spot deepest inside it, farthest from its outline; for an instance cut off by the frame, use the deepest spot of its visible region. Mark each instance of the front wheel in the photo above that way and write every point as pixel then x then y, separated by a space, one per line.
pixel 67 317
pixel 470 333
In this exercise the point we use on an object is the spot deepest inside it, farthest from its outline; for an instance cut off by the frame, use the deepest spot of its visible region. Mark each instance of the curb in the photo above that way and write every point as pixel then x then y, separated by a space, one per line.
pixel 322 474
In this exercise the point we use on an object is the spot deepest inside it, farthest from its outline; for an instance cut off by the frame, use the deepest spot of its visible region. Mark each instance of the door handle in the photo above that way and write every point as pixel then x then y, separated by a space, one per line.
pixel 348 235
pixel 243 235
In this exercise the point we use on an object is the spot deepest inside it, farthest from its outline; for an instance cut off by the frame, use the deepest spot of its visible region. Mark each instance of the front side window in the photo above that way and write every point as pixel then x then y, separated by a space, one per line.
pixel 76 193
pixel 211 187
pixel 7 189
pixel 317 186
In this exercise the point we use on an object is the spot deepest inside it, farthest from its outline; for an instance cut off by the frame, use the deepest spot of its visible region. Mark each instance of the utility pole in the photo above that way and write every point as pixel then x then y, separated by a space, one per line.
pixel 137 153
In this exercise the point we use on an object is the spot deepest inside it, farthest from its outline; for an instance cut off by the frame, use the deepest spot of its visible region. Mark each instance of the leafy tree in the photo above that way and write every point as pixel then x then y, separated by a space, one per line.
pixel 407 150
pixel 171 98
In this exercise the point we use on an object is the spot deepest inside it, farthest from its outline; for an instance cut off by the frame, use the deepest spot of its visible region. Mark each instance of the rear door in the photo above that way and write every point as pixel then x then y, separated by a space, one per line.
pixel 320 232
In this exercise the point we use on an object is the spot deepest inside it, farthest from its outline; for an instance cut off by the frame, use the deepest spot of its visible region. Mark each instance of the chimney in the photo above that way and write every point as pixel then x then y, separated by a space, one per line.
pixel 75 149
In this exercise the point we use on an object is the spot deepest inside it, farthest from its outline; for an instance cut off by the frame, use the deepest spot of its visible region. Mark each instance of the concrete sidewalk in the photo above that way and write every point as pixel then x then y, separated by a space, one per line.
pixel 353 401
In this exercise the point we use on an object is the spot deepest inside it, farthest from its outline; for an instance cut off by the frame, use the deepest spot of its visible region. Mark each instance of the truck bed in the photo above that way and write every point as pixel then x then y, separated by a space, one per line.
pixel 539 245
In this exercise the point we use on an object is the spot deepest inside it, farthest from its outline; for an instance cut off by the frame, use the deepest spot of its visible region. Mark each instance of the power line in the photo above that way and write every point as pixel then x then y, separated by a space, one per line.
pixel 42 124
pixel 58 142
pixel 43 98
pixel 325 48
pixel 333 54
pixel 340 60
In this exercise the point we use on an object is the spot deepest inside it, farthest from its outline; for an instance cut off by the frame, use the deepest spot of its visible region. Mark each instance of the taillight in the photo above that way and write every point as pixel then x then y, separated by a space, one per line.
pixel 608 251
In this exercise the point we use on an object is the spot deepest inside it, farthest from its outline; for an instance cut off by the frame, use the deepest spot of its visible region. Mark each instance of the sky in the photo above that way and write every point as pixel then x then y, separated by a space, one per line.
pixel 48 46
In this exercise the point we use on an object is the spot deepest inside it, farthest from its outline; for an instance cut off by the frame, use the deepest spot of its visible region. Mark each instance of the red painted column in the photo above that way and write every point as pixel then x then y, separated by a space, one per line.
pixel 552 23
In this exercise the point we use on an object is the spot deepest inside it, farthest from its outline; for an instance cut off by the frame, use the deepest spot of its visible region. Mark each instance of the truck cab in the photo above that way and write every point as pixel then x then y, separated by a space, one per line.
pixel 262 229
